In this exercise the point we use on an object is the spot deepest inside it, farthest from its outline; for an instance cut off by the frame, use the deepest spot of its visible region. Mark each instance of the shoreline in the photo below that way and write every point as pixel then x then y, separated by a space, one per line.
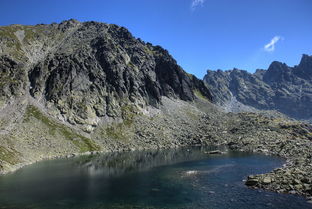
pixel 247 132
pixel 71 155
pixel 253 181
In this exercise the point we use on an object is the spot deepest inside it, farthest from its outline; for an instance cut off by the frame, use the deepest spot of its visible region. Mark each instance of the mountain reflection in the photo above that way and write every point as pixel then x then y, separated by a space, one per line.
pixel 118 163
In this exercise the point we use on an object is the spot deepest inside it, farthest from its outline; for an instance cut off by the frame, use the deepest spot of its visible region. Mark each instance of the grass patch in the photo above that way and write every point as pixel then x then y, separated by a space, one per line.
pixel 148 50
pixel 131 65
pixel 8 156
pixel 116 132
pixel 120 131
pixel 128 112
pixel 8 32
pixel 192 115
pixel 86 144
pixel 199 95
pixel 83 143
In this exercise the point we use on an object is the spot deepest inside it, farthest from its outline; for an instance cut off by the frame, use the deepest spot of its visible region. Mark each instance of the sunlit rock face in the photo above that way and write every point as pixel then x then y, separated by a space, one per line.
pixel 83 72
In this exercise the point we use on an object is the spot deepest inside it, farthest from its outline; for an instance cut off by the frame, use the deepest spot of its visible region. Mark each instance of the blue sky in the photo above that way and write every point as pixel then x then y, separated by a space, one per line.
pixel 200 34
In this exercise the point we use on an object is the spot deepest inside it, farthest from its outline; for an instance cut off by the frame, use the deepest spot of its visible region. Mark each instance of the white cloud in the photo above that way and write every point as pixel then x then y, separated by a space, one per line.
pixel 197 3
pixel 270 47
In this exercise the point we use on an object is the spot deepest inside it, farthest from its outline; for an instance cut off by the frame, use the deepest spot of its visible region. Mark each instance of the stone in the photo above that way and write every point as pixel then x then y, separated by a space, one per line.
pixel 214 152
pixel 298 187
pixel 296 181
pixel 267 180
pixel 252 181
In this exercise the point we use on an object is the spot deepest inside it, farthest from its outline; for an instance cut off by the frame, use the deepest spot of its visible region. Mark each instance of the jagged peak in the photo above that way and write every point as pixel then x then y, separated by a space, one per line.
pixel 71 21
pixel 210 72
pixel 306 62
pixel 239 70
pixel 306 57
pixel 277 66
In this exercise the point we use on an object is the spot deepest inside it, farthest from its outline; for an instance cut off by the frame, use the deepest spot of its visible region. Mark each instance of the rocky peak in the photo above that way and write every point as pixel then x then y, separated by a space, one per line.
pixel 259 73
pixel 282 88
pixel 84 72
pixel 68 23
pixel 276 66
pixel 276 72
pixel 306 61
pixel 304 69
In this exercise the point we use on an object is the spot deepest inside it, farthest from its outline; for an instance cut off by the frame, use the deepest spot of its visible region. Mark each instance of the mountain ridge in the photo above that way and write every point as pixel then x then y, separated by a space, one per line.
pixel 77 87
pixel 280 87
pixel 94 58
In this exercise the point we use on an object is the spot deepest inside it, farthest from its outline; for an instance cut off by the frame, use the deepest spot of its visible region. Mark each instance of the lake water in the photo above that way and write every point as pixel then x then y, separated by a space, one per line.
pixel 178 178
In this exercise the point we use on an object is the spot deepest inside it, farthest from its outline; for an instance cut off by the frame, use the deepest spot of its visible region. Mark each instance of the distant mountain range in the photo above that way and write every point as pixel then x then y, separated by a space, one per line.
pixel 280 87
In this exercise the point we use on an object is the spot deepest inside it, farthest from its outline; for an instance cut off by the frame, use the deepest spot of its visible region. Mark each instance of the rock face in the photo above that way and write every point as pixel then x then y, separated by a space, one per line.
pixel 11 82
pixel 282 88
pixel 79 87
pixel 84 72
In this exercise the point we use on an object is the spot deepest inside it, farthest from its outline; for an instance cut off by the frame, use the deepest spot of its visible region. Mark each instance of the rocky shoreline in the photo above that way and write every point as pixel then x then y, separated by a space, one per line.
pixel 249 132
pixel 290 140
pixel 18 166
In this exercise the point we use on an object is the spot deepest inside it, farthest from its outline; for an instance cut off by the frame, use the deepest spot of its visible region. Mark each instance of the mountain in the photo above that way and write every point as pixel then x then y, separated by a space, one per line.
pixel 280 87
pixel 86 71
pixel 78 88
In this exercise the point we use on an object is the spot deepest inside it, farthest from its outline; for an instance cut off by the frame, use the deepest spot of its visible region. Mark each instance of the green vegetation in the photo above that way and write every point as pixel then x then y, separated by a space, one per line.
pixel 199 95
pixel 128 113
pixel 132 66
pixel 30 32
pixel 192 115
pixel 8 156
pixel 5 78
pixel 83 143
pixel 119 131
pixel 2 122
pixel 30 35
pixel 189 75
pixel 8 32
pixel 148 50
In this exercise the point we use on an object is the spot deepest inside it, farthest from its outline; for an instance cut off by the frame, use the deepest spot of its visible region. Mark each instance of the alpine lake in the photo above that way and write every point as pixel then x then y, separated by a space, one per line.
pixel 172 178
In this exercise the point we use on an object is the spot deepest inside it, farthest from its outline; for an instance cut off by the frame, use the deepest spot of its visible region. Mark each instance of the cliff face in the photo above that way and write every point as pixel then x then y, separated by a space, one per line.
pixel 78 87
pixel 84 72
pixel 282 88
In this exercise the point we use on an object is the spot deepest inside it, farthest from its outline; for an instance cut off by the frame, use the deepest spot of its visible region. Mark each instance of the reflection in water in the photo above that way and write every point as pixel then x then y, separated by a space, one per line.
pixel 118 163
pixel 176 178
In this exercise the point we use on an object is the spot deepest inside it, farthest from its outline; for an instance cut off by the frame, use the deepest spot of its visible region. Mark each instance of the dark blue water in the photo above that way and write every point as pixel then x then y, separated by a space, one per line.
pixel 155 179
